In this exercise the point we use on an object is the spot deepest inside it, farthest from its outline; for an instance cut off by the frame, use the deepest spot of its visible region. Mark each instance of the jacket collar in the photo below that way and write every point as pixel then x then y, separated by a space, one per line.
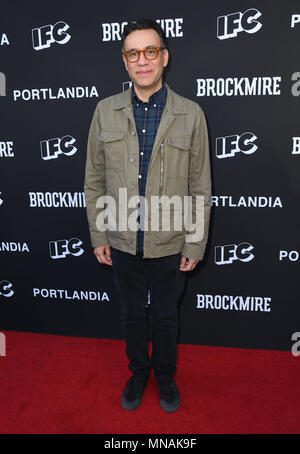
pixel 175 103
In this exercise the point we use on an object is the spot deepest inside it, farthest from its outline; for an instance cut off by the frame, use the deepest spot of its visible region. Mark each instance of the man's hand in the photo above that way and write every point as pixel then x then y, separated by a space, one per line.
pixel 187 264
pixel 103 254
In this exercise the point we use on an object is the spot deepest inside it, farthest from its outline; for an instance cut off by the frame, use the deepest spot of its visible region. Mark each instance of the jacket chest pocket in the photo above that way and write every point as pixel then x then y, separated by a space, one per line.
pixel 114 148
pixel 177 156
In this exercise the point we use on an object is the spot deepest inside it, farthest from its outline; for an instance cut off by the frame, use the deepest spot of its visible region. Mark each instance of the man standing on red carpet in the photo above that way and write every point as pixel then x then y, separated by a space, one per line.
pixel 148 191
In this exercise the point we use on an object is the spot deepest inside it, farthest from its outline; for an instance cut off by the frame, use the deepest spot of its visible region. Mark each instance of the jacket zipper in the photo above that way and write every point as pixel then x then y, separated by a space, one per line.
pixel 161 168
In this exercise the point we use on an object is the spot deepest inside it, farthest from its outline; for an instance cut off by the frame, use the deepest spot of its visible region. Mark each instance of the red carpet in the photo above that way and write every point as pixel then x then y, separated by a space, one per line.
pixel 66 385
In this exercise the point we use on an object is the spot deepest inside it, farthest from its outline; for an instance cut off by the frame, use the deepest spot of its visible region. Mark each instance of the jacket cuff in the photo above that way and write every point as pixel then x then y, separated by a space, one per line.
pixel 99 239
pixel 193 252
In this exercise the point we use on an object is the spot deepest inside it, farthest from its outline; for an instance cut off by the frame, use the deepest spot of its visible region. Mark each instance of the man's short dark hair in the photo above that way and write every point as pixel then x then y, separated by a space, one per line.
pixel 143 24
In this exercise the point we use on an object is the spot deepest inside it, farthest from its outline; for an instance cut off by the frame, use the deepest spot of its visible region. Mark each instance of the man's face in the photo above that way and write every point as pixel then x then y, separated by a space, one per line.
pixel 145 74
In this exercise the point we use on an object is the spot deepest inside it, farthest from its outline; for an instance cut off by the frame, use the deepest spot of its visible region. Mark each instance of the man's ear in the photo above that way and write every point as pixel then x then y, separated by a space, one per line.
pixel 166 57
pixel 125 62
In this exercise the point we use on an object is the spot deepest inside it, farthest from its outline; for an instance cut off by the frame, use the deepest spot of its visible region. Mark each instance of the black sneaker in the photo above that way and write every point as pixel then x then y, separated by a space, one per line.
pixel 168 395
pixel 133 393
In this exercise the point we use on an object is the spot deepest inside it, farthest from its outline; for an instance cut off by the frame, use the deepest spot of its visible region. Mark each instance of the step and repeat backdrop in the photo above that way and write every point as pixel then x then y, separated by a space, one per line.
pixel 240 61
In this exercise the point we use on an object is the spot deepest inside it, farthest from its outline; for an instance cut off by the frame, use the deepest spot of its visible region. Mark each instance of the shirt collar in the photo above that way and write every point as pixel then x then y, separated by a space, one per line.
pixel 157 98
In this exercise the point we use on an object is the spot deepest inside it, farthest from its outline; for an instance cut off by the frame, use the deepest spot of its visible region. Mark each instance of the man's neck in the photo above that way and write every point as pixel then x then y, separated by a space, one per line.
pixel 144 93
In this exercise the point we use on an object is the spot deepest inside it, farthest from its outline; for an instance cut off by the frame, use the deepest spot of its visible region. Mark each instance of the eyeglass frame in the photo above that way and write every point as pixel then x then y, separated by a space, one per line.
pixel 157 49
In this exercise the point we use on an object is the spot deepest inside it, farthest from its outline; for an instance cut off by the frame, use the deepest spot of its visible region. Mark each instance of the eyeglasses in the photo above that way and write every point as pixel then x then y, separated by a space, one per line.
pixel 150 53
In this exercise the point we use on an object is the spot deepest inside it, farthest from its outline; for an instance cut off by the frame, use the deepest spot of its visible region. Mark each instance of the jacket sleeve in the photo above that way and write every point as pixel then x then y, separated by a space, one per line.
pixel 95 180
pixel 199 190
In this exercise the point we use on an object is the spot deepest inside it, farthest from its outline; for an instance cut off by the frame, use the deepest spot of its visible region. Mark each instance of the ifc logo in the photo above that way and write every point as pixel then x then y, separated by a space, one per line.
pixel 232 24
pixel 43 37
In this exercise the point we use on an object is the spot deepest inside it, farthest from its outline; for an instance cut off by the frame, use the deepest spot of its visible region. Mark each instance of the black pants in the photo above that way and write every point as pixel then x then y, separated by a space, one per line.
pixel 134 276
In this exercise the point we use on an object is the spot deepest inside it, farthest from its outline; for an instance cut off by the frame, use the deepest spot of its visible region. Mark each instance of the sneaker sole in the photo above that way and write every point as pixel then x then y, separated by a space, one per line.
pixel 170 408
pixel 128 405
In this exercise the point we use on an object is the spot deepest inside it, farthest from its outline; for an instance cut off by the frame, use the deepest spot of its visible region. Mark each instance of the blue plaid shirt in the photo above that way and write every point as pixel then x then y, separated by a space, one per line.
pixel 147 117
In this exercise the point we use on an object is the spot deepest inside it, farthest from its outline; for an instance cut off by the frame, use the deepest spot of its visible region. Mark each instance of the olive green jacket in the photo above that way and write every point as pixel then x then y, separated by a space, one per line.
pixel 179 166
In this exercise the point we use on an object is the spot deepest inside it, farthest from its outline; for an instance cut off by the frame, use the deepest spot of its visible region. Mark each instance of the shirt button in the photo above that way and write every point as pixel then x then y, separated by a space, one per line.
pixel 154 105
pixel 146 108
pixel 140 176
pixel 144 130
